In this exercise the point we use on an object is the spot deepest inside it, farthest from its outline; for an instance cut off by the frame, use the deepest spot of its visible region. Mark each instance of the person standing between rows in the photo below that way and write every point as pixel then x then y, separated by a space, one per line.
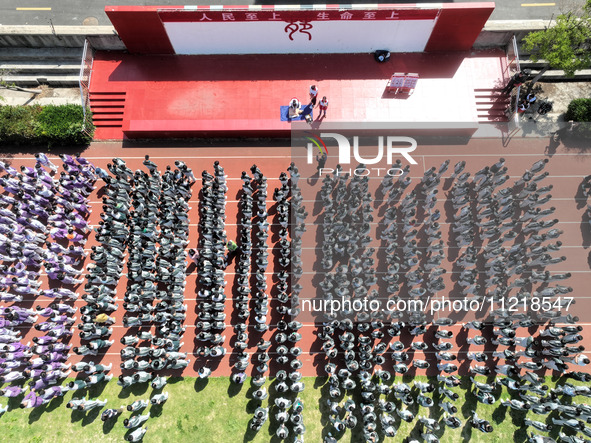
pixel 313 95
pixel 323 106
pixel 517 80
pixel 233 249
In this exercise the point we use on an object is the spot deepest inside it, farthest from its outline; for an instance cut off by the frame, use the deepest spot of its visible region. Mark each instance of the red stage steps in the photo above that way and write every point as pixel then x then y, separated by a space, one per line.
pixel 107 114
pixel 491 104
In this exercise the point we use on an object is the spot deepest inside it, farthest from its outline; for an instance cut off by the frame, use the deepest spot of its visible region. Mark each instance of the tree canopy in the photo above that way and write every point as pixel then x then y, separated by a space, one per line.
pixel 566 44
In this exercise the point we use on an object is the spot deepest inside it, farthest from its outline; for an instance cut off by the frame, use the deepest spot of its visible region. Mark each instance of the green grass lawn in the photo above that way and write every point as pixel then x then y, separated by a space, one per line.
pixel 215 410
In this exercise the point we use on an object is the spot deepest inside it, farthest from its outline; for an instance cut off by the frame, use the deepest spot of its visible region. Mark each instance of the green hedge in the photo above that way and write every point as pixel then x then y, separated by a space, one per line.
pixel 43 125
pixel 579 110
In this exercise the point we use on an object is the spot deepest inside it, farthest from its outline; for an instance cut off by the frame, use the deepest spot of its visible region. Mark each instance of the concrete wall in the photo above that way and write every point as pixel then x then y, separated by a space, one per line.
pixel 496 33
pixel 101 37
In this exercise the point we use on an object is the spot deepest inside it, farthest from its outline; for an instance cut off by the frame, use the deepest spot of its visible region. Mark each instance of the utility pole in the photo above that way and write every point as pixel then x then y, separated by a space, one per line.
pixel 536 78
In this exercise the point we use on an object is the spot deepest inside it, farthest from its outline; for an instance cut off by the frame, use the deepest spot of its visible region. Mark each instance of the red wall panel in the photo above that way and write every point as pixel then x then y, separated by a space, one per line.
pixel 458 26
pixel 140 28
pixel 142 31
pixel 402 12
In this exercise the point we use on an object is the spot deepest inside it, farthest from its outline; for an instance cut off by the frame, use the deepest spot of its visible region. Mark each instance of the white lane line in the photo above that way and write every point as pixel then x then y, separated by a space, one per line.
pixel 222 156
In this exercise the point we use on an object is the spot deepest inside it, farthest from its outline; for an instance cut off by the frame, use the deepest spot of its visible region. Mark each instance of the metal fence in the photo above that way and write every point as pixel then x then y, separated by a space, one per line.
pixel 512 58
pixel 84 81
pixel 513 68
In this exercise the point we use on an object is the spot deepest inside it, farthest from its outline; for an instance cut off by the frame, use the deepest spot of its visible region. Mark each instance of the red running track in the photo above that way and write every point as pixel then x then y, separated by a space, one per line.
pixel 567 168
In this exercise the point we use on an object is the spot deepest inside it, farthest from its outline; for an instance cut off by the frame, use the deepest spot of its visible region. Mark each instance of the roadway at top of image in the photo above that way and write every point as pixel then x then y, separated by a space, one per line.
pixel 90 12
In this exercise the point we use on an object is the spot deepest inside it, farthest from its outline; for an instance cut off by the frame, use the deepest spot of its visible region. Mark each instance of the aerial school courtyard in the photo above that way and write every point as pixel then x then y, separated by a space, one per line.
pixel 432 229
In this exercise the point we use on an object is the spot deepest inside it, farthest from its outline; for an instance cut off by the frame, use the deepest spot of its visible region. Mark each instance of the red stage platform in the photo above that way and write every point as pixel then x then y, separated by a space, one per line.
pixel 143 96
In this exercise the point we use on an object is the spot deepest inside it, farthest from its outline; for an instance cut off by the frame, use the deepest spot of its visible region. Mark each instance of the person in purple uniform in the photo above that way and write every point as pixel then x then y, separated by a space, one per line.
pixel 16 355
pixel 12 376
pixel 11 391
pixel 43 160
pixel 13 347
pixel 44 340
pixel 8 169
pixel 68 160
pixel 53 391
pixel 32 400
pixel 44 312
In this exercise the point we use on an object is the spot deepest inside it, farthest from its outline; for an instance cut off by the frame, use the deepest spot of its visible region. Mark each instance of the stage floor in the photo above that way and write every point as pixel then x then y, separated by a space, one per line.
pixel 139 96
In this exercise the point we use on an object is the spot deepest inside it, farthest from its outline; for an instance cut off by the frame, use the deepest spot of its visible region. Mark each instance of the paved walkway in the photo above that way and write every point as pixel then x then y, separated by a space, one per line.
pixel 76 13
